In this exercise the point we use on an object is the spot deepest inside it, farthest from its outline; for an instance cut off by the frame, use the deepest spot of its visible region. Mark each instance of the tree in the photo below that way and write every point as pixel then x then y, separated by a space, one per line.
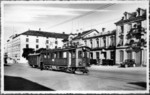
pixel 27 51
pixel 136 38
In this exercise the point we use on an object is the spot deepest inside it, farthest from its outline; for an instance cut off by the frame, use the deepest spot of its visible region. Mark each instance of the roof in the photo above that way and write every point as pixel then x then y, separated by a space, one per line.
pixel 113 32
pixel 132 17
pixel 45 34
pixel 139 18
pixel 84 33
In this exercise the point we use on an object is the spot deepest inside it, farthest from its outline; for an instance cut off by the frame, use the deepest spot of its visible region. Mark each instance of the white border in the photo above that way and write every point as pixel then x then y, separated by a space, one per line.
pixel 64 92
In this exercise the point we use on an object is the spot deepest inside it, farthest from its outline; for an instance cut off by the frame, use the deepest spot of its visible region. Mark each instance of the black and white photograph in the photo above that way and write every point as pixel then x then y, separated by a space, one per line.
pixel 75 47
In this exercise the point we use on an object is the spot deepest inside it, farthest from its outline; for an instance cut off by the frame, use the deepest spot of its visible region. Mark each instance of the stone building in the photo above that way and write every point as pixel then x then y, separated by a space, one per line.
pixel 102 45
pixel 33 39
pixel 130 34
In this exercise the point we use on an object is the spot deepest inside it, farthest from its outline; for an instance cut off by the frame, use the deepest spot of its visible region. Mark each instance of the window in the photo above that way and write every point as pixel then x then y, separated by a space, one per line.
pixel 47 41
pixel 97 42
pixel 56 42
pixel 57 55
pixel 45 56
pixel 73 54
pixel 91 43
pixel 27 45
pixel 48 55
pixel 121 55
pixel 64 54
pixel 91 55
pixel 60 54
pixel 129 55
pixel 85 43
pixel 97 55
pixel 27 39
pixel 37 46
pixel 79 54
pixel 122 29
pixel 52 55
pixel 47 46
pixel 104 40
pixel 37 40
pixel 112 41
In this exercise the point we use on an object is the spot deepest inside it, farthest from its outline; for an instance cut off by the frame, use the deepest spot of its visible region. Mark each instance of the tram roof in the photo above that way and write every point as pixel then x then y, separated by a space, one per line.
pixel 64 49
pixel 34 54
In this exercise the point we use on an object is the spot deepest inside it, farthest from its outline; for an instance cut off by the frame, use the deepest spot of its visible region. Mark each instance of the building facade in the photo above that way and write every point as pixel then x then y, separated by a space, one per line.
pixel 102 45
pixel 130 33
pixel 32 39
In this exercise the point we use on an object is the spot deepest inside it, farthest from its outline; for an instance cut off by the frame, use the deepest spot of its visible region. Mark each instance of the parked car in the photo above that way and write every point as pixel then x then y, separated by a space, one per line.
pixel 128 63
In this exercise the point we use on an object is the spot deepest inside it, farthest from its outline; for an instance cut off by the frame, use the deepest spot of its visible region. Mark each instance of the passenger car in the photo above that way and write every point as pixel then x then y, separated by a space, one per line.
pixel 128 63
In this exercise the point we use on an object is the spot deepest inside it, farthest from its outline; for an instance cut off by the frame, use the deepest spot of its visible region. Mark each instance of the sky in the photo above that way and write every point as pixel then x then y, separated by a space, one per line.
pixel 63 17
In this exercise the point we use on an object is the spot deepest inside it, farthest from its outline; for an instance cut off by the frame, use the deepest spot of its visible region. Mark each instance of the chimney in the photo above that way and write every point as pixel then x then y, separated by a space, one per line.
pixel 125 15
pixel 63 32
pixel 103 29
pixel 39 29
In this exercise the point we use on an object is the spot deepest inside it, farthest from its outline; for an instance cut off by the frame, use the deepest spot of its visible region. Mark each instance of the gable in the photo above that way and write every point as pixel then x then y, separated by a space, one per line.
pixel 91 34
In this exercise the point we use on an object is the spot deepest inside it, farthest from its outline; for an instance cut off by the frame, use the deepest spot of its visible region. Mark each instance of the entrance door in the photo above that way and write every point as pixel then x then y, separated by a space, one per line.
pixel 129 55
pixel 113 56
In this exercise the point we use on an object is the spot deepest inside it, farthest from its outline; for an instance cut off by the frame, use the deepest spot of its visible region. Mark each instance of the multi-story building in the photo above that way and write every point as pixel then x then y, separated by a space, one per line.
pixel 133 25
pixel 33 39
pixel 102 44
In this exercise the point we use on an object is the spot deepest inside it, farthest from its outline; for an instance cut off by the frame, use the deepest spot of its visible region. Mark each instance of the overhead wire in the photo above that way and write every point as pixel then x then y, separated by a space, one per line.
pixel 88 13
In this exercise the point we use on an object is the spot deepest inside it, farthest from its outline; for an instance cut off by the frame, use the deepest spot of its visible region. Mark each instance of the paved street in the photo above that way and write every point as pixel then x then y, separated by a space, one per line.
pixel 23 77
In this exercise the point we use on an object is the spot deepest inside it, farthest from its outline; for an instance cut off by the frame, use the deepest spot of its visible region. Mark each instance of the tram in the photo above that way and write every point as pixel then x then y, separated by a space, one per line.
pixel 68 59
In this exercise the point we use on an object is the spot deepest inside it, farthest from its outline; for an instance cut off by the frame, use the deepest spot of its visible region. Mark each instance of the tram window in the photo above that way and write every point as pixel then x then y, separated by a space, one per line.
pixel 64 54
pixel 80 54
pixel 73 55
pixel 60 54
pixel 44 55
pixel 52 55
pixel 57 55
pixel 48 55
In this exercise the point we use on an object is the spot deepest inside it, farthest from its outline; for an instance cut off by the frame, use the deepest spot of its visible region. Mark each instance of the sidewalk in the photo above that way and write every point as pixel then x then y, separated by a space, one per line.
pixel 115 67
